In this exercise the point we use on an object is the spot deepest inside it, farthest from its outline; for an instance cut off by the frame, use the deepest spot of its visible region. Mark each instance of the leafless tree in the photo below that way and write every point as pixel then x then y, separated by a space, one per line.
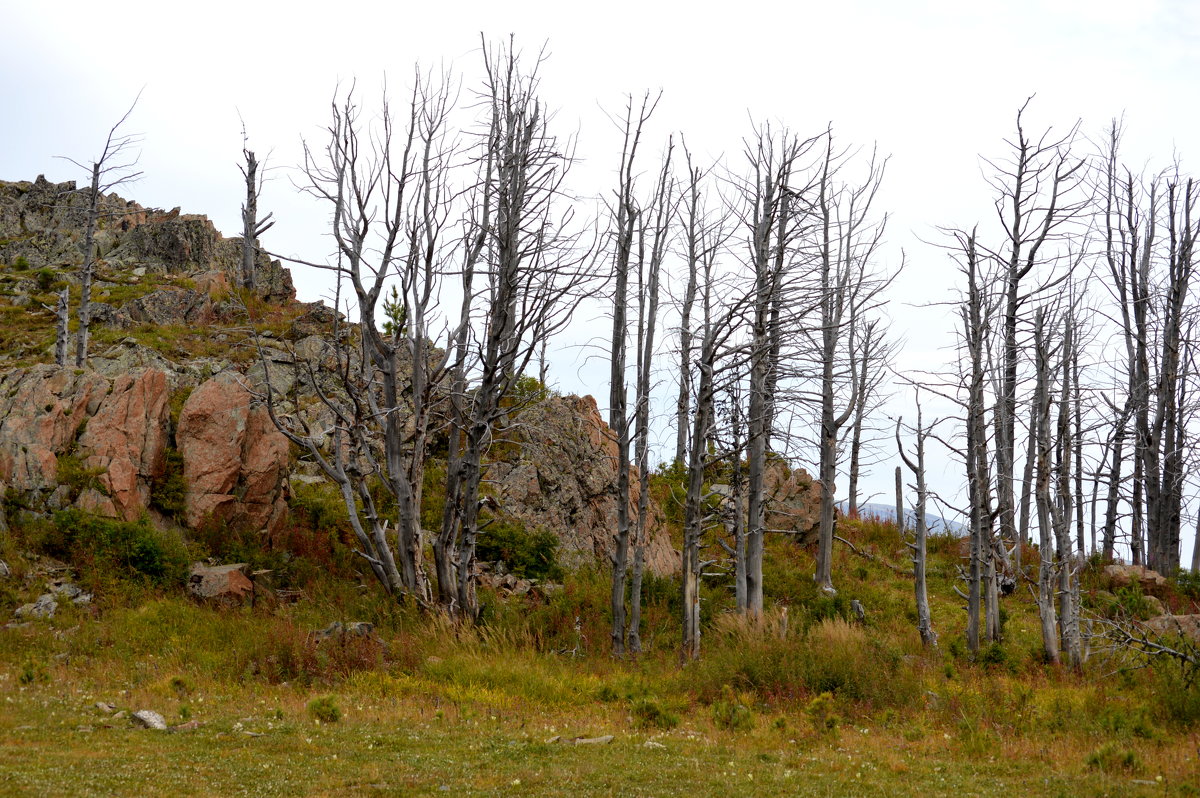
pixel 640 235
pixel 920 531
pixel 1150 229
pixel 532 270
pixel 872 359
pixel 113 167
pixel 846 237
pixel 770 221
pixel 710 350
pixel 252 226
pixel 388 191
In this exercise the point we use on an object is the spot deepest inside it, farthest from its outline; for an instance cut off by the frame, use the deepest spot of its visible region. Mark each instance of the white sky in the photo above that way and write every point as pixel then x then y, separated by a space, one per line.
pixel 935 83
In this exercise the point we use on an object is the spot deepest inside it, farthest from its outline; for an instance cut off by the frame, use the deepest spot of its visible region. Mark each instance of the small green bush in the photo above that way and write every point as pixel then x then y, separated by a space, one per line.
pixel 1112 758
pixel 21 263
pixel 325 709
pixel 129 548
pixel 822 715
pixel 45 278
pixel 532 555
pixel 78 477
pixel 168 491
pixel 732 712
pixel 648 713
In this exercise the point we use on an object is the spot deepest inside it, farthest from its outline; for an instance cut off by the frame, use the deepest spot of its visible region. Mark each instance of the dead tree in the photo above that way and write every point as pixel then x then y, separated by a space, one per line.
pixel 389 196
pixel 632 234
pixel 534 274
pixel 1150 228
pixel 113 167
pixel 1047 581
pixel 920 531
pixel 1037 201
pixel 770 221
pixel 708 357
pixel 656 235
pixel 252 226
pixel 845 238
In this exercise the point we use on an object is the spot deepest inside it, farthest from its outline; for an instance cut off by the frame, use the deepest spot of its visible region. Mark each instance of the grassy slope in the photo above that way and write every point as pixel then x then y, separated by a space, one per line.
pixel 471 711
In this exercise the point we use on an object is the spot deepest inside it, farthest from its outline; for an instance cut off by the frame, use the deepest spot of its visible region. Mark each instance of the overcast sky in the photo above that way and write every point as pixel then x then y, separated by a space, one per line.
pixel 934 83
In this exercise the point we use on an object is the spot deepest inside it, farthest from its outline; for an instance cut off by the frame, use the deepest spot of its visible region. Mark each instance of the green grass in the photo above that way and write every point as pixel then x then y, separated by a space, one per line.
pixel 425 707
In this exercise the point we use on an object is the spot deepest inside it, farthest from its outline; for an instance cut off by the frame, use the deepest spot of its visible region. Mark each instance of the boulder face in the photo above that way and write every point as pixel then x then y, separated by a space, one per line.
pixel 1120 575
pixel 119 430
pixel 564 480
pixel 41 411
pixel 127 439
pixel 234 460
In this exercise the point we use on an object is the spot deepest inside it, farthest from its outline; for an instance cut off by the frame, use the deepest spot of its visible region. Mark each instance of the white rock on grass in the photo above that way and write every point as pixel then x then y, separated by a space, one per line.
pixel 150 719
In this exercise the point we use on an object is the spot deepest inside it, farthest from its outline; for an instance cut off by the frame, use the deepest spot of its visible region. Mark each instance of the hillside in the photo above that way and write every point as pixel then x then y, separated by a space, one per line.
pixel 184 610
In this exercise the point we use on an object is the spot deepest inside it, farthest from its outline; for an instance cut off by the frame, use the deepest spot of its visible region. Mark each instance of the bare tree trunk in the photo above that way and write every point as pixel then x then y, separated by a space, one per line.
pixel 106 172
pixel 62 319
pixel 920 589
pixel 252 227
pixel 900 525
pixel 1046 571
pixel 85 271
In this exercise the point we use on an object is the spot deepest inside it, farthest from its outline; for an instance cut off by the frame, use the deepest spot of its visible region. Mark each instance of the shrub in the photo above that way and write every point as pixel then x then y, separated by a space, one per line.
pixel 78 477
pixel 733 712
pixel 45 278
pixel 1111 758
pixel 821 714
pixel 648 713
pixel 131 548
pixel 532 555
pixel 325 709
pixel 21 263
pixel 168 491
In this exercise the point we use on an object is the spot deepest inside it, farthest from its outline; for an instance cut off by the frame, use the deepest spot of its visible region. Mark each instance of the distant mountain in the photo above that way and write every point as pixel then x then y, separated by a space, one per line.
pixel 887 512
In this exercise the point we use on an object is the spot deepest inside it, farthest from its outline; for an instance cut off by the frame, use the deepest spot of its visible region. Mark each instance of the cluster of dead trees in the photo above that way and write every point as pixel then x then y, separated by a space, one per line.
pixel 1075 354
pixel 460 252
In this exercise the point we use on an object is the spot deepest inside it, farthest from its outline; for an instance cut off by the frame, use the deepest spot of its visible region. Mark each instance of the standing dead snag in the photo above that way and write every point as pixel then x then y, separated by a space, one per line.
pixel 705 235
pixel 534 272
pixel 109 170
pixel 846 237
pixel 252 226
pixel 390 201
pixel 924 624
pixel 626 221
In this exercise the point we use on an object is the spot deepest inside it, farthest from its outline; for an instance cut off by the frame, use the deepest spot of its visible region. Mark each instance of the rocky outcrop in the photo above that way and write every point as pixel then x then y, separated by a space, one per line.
pixel 41 411
pixel 118 432
pixel 164 307
pixel 793 502
pixel 1186 627
pixel 563 478
pixel 126 440
pixel 234 459
pixel 1119 575
pixel 41 222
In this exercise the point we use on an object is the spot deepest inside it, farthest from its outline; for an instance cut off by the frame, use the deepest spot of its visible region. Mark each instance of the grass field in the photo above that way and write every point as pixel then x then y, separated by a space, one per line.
pixel 424 707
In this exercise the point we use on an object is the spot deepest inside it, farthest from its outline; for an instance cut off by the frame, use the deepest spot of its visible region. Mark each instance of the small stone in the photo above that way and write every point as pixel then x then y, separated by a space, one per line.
pixel 44 607
pixel 67 590
pixel 187 726
pixel 150 719
pixel 105 707
pixel 5 571
pixel 653 744
pixel 602 740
